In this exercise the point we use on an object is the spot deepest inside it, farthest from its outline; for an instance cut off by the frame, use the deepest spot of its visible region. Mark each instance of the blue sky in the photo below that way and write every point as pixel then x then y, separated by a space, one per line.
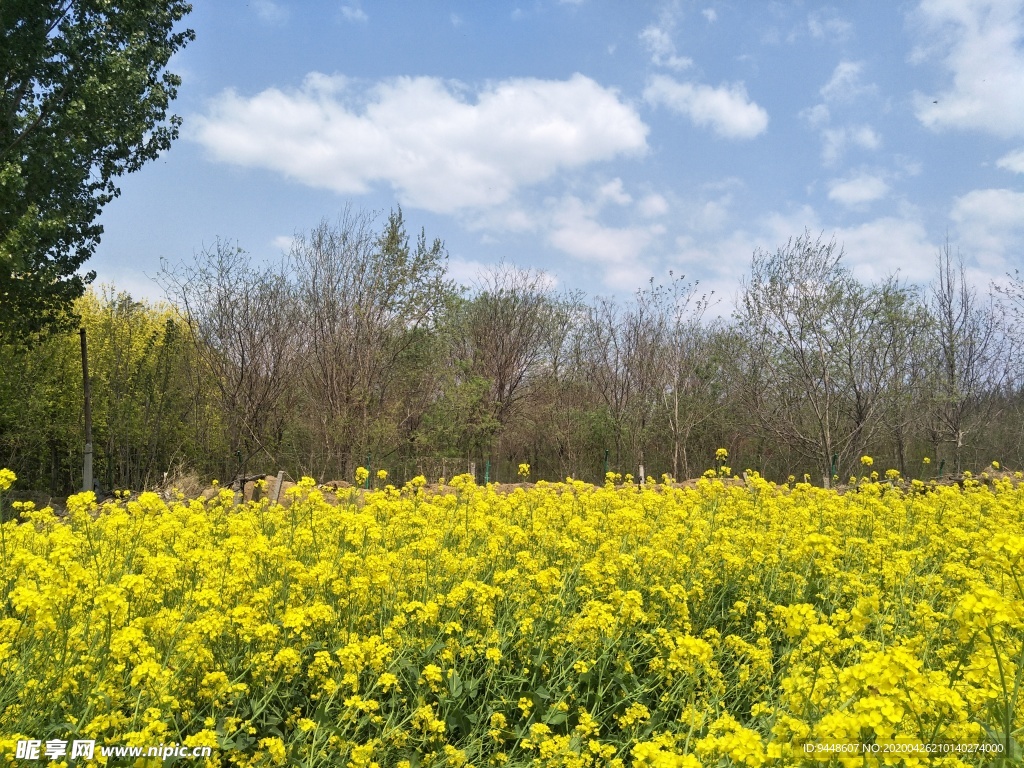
pixel 601 142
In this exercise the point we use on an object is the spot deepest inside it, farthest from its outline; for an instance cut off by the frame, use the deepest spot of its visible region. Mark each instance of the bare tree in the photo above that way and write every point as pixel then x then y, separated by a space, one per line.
pixel 1012 293
pixel 563 390
pixel 502 340
pixel 1011 305
pixel 367 299
pixel 824 349
pixel 506 333
pixel 901 358
pixel 621 360
pixel 244 325
pixel 970 359
pixel 689 375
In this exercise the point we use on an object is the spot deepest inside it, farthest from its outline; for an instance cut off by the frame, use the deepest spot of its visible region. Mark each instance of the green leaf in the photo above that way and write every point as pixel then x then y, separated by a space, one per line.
pixel 555 717
pixel 454 684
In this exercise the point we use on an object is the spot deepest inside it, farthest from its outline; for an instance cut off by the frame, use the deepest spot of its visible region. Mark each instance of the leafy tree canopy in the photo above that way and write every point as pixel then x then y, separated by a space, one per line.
pixel 84 99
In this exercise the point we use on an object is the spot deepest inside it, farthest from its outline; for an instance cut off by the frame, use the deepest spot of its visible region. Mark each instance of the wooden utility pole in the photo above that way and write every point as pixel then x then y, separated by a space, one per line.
pixel 87 470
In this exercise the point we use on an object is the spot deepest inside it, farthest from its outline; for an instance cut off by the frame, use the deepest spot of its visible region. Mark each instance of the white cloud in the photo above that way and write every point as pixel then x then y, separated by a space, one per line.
pixel 507 217
pixel 652 205
pixel 438 148
pixel 618 251
pixel 354 13
pixel 614 192
pixel 282 243
pixel 907 166
pixel 1012 161
pixel 715 264
pixel 828 25
pixel 658 41
pixel 455 19
pixel 836 140
pixel 857 190
pixel 979 43
pixel 887 245
pixel 990 226
pixel 817 116
pixel 719 259
pixel 865 137
pixel 712 215
pixel 727 110
pixel 873 249
pixel 833 145
pixel 270 12
pixel 711 208
pixel 710 14
pixel 466 271
pixel 579 225
pixel 845 84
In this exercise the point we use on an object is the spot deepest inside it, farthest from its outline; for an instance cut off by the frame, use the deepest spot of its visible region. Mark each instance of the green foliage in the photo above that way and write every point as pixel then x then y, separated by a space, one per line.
pixel 137 353
pixel 40 413
pixel 85 100
pixel 146 412
pixel 460 421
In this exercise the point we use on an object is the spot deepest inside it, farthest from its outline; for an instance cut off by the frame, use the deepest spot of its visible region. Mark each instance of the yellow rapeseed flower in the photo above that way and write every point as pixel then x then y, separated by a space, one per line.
pixel 432 621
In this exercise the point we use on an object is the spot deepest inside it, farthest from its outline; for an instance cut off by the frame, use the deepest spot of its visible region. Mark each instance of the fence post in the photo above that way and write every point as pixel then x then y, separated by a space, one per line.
pixel 241 479
pixel 277 490
pixel 87 392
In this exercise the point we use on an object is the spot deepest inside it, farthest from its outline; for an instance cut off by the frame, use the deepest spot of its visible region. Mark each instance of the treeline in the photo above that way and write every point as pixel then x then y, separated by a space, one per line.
pixel 359 350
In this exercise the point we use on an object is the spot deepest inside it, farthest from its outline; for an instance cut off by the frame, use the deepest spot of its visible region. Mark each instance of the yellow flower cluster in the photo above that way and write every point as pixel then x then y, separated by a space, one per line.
pixel 727 624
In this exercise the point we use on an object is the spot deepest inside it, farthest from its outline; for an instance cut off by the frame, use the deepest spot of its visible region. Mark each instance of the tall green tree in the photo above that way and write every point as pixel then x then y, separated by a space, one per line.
pixel 84 100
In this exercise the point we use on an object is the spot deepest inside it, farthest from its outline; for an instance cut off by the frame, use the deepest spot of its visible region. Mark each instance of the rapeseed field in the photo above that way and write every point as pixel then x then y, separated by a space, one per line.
pixel 733 623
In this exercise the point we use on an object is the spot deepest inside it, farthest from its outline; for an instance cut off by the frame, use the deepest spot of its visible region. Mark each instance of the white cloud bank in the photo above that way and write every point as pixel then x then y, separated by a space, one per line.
pixel 858 190
pixel 845 84
pixel 843 87
pixel 354 14
pixel 873 249
pixel 727 109
pixel 827 24
pixel 990 226
pixel 836 141
pixel 658 41
pixel 618 252
pixel 270 12
pixel 979 43
pixel 1012 161
pixel 889 245
pixel 440 146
